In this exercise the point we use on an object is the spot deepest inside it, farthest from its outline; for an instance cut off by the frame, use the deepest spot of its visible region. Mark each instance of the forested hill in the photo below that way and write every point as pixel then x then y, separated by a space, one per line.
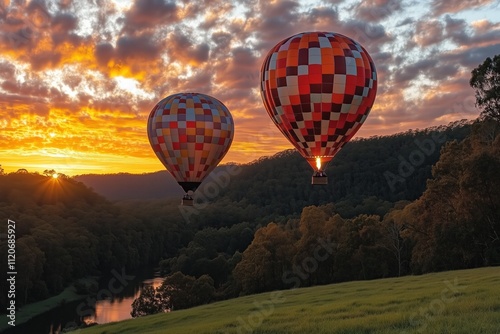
pixel 124 186
pixel 367 176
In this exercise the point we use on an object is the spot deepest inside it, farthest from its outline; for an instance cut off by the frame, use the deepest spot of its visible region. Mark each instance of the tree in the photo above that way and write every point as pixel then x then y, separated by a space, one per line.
pixel 311 257
pixel 30 261
pixel 266 260
pixel 486 81
pixel 178 291
pixel 149 302
pixel 455 224
pixel 393 240
pixel 49 172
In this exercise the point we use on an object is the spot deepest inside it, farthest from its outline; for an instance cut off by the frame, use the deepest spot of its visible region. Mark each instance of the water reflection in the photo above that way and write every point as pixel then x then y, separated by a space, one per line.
pixel 119 308
pixel 115 308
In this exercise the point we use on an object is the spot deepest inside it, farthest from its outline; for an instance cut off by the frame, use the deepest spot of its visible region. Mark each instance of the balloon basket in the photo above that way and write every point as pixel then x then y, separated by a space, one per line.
pixel 187 201
pixel 319 179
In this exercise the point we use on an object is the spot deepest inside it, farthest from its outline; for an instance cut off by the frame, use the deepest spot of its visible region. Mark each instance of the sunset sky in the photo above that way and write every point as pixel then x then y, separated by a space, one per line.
pixel 79 78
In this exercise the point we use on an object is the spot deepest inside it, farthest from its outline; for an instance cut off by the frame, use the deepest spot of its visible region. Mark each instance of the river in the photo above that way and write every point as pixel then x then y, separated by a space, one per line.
pixel 112 308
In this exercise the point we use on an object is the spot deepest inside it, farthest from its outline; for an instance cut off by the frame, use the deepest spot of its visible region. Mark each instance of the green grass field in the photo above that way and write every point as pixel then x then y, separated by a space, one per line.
pixel 464 301
pixel 27 312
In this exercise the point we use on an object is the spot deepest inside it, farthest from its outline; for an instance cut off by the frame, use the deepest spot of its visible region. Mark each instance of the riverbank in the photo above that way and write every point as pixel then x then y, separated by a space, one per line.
pixel 29 311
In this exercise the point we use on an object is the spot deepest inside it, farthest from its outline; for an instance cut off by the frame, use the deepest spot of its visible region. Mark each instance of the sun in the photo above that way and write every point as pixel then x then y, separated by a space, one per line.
pixel 55 175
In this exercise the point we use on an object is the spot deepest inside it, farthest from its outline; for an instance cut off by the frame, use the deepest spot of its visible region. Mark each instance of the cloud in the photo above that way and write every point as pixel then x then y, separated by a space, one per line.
pixel 277 20
pixel 137 47
pixel 405 21
pixel 30 89
pixel 377 10
pixel 181 48
pixel 428 32
pixel 456 30
pixel 104 52
pixel 443 71
pixel 484 26
pixel 7 70
pixel 240 71
pixel 470 58
pixel 371 36
pixel 322 18
pixel 213 12
pixel 454 6
pixel 137 56
pixel 45 59
pixel 222 41
pixel 64 22
pixel 148 14
pixel 435 68
pixel 15 106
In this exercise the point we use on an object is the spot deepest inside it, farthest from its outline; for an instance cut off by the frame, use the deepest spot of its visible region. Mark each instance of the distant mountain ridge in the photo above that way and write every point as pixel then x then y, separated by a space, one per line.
pixel 126 186
pixel 385 168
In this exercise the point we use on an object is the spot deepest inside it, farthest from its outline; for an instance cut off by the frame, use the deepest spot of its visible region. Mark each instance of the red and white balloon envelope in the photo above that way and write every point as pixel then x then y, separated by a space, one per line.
pixel 190 134
pixel 318 88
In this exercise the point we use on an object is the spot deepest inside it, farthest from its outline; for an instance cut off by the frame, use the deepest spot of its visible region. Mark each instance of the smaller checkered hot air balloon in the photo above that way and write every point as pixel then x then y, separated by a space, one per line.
pixel 318 88
pixel 190 134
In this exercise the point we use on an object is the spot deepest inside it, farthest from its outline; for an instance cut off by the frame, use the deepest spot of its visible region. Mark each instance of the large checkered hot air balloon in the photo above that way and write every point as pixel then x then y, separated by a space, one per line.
pixel 190 134
pixel 318 88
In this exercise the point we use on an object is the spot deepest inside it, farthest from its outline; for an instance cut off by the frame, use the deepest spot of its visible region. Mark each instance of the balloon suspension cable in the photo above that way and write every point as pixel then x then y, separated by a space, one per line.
pixel 187 200
pixel 189 188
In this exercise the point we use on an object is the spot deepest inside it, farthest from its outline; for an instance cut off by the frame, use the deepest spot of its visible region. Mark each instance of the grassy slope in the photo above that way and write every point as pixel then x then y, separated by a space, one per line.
pixel 465 301
pixel 29 311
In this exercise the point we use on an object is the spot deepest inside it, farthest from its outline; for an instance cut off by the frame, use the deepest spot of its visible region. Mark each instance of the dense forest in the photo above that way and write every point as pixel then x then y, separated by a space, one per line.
pixel 64 231
pixel 268 228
